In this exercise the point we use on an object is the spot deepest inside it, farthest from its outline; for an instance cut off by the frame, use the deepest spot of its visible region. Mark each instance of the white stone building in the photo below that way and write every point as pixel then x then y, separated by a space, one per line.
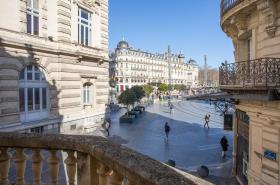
pixel 136 67
pixel 53 64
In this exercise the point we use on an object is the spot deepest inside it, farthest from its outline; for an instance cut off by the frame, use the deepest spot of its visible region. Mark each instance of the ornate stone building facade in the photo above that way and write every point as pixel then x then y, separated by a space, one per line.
pixel 53 65
pixel 254 82
pixel 136 67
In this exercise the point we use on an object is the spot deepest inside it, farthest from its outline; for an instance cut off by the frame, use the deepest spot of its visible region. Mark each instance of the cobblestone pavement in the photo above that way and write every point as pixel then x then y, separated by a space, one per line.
pixel 190 144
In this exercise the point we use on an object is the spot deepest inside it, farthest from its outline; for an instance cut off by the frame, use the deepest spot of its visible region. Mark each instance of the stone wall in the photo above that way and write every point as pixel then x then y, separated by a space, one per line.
pixel 66 64
pixel 264 132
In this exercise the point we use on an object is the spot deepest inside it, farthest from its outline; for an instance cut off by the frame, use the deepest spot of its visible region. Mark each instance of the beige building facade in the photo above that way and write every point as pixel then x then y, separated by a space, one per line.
pixel 254 82
pixel 53 65
pixel 136 67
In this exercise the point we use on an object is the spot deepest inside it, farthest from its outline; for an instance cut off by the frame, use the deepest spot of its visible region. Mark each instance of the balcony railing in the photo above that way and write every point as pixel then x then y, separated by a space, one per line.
pixel 90 160
pixel 226 5
pixel 263 73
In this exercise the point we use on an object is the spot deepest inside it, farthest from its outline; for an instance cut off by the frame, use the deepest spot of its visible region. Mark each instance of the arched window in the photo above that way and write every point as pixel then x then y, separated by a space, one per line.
pixel 33 94
pixel 87 93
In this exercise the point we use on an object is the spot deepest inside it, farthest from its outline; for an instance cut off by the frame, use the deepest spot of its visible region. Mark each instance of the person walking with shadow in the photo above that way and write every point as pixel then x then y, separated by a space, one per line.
pixel 207 119
pixel 224 145
pixel 171 108
pixel 167 130
pixel 107 127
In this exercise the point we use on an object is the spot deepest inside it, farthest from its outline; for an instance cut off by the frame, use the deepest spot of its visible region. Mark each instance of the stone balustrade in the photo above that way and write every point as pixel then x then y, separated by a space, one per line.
pixel 90 160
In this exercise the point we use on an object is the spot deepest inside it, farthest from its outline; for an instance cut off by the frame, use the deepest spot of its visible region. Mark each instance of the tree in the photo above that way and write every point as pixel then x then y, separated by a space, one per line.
pixel 127 98
pixel 148 90
pixel 180 87
pixel 163 87
pixel 139 92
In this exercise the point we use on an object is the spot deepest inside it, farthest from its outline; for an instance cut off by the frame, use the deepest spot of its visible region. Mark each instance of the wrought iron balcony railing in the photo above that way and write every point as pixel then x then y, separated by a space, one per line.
pixel 88 160
pixel 228 4
pixel 262 73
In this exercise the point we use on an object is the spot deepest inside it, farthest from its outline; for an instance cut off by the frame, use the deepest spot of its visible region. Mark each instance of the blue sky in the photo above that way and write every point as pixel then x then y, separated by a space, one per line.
pixel 192 26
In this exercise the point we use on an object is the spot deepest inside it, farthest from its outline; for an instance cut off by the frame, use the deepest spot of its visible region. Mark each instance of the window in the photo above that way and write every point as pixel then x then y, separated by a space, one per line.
pixel 84 27
pixel 33 94
pixel 32 17
pixel 87 93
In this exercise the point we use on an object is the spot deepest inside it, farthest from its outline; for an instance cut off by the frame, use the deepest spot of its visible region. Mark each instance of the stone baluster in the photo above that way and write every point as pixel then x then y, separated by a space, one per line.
pixel 4 166
pixel 37 166
pixel 53 164
pixel 115 179
pixel 128 182
pixel 103 173
pixel 20 161
pixel 71 167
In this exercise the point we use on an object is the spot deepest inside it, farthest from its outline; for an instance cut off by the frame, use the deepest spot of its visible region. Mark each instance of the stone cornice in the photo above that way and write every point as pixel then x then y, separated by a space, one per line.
pixel 39 44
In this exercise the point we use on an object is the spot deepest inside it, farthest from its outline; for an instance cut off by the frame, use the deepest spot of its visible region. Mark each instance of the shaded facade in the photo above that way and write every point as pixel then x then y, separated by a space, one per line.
pixel 53 65
pixel 254 82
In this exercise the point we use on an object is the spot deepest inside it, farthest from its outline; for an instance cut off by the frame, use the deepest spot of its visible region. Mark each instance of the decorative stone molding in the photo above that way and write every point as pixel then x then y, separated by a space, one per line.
pixel 269 9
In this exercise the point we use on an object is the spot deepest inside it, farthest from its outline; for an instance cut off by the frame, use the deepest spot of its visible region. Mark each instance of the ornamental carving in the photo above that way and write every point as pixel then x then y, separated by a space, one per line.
pixel 268 9
pixel 90 3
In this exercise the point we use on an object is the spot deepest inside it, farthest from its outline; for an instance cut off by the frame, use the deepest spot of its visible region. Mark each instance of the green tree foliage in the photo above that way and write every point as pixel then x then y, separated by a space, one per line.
pixel 127 98
pixel 148 90
pixel 139 92
pixel 180 87
pixel 163 87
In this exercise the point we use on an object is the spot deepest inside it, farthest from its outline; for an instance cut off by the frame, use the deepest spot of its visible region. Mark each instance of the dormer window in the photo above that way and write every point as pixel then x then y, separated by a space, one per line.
pixel 32 17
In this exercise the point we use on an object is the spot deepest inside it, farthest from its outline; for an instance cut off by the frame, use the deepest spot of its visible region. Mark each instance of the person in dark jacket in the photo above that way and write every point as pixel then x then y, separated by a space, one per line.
pixel 166 129
pixel 224 145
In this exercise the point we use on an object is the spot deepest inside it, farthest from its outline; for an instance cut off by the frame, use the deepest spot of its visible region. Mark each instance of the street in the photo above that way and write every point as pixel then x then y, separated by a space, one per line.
pixel 190 144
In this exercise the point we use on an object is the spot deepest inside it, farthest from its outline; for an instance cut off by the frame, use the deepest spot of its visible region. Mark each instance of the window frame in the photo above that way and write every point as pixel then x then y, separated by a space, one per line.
pixel 32 105
pixel 87 94
pixel 33 12
pixel 86 25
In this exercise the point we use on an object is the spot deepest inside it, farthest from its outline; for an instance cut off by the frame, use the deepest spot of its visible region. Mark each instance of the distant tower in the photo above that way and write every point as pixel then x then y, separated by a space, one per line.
pixel 205 71
pixel 169 64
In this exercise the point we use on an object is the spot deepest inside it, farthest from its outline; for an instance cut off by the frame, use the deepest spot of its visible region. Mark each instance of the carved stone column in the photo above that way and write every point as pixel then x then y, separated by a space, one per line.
pixel 53 163
pixel 71 166
pixel 103 173
pixel 115 179
pixel 20 160
pixel 37 166
pixel 4 166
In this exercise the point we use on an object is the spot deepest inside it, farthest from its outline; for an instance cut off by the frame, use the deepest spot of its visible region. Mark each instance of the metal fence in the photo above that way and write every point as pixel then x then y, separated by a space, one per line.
pixel 228 4
pixel 262 72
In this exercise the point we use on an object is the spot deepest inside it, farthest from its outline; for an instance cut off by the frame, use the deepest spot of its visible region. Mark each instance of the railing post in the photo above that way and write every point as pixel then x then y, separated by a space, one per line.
pixel 36 166
pixel 266 71
pixel 53 163
pixel 20 166
pixel 4 166
pixel 128 182
pixel 115 179
pixel 71 167
pixel 86 170
pixel 103 173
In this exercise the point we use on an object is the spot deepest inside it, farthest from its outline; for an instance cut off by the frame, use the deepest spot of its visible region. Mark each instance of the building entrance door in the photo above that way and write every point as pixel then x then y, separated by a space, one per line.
pixel 242 155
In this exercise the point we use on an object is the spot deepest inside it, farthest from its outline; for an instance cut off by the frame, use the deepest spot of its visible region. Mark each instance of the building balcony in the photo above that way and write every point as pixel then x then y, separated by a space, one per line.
pixel 84 160
pixel 231 8
pixel 260 75
pixel 226 5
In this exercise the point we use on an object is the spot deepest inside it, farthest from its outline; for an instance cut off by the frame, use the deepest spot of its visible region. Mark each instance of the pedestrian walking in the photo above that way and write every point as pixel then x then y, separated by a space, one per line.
pixel 166 129
pixel 224 145
pixel 171 108
pixel 207 119
pixel 107 127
